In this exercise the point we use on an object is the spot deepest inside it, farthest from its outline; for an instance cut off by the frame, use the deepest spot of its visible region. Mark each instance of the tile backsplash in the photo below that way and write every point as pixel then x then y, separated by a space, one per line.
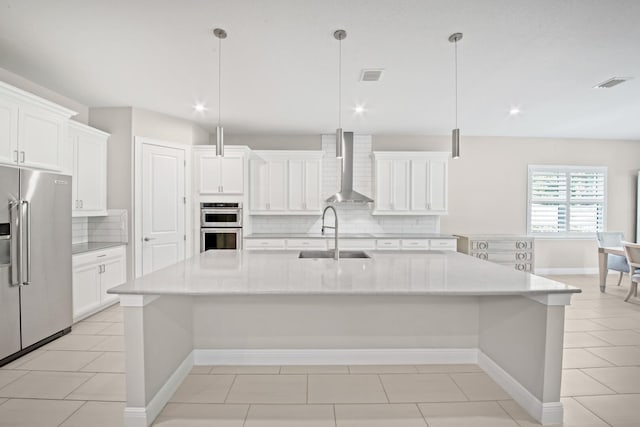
pixel 79 230
pixel 353 218
pixel 110 228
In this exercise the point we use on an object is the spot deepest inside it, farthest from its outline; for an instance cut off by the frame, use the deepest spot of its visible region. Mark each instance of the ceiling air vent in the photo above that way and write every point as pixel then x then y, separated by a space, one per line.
pixel 371 75
pixel 614 81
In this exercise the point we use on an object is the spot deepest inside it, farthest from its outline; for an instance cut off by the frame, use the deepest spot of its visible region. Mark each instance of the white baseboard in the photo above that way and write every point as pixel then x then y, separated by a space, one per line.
pixel 413 356
pixel 143 417
pixel 545 413
pixel 563 271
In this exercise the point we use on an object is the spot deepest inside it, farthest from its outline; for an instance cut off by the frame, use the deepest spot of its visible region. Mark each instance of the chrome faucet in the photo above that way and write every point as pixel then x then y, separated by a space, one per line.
pixel 335 229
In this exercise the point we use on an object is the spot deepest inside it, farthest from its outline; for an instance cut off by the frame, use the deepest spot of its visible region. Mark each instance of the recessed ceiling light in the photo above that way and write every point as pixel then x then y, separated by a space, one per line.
pixel 199 108
pixel 514 111
pixel 359 109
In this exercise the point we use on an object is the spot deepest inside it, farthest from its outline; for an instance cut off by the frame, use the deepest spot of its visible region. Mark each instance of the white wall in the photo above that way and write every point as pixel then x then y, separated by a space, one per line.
pixel 488 186
pixel 273 142
pixel 29 86
pixel 167 128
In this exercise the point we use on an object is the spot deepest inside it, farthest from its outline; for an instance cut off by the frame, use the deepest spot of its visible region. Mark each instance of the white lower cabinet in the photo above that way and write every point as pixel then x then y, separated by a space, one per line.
pixel 317 244
pixel 265 244
pixel 417 244
pixel 352 244
pixel 94 273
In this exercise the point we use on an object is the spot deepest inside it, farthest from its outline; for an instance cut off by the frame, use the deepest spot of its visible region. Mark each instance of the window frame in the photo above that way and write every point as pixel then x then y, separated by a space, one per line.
pixel 568 169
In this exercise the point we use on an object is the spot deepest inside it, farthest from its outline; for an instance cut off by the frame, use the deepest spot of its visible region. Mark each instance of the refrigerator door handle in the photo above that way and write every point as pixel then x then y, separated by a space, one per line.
pixel 16 237
pixel 26 217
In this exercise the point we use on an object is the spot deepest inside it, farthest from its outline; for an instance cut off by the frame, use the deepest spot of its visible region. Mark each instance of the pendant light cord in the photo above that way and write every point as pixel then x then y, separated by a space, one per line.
pixel 219 78
pixel 456 79
pixel 340 85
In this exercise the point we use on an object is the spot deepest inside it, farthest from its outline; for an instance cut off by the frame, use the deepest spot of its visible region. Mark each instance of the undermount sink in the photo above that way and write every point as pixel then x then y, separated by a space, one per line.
pixel 330 254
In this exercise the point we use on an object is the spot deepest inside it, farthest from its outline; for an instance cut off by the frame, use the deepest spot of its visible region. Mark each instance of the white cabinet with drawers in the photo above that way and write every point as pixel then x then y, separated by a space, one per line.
pixel 417 244
pixel 510 250
pixel 94 273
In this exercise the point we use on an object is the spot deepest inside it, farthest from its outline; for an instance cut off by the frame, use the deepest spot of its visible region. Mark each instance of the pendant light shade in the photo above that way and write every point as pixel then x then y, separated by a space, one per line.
pixel 455 133
pixel 219 141
pixel 455 144
pixel 339 35
pixel 220 34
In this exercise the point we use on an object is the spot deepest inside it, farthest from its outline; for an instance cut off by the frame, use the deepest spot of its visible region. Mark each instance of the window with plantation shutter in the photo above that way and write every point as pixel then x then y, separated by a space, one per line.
pixel 566 200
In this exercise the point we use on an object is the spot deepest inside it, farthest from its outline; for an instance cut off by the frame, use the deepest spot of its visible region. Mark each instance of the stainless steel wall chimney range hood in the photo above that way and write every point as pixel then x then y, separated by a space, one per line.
pixel 346 193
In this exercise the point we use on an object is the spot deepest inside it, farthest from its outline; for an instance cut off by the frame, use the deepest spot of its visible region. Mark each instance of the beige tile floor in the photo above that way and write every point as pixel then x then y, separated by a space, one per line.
pixel 78 381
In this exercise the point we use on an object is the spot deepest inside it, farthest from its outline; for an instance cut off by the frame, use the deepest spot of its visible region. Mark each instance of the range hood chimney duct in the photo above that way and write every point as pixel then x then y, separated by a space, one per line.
pixel 346 193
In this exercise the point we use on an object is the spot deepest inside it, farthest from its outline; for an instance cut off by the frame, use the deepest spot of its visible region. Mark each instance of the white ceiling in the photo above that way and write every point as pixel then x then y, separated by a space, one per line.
pixel 280 62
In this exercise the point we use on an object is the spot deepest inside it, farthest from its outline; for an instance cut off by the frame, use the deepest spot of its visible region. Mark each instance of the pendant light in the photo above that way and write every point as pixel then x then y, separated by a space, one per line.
pixel 455 133
pixel 220 34
pixel 339 35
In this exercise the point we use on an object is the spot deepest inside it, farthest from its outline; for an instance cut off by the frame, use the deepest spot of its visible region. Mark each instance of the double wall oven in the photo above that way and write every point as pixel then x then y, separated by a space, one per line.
pixel 220 226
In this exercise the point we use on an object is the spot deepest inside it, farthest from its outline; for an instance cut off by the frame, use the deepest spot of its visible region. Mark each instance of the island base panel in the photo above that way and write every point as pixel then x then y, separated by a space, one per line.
pixel 518 341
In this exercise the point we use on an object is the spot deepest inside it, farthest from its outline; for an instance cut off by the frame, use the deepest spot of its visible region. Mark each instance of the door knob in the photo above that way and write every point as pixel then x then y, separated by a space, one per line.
pixel 146 239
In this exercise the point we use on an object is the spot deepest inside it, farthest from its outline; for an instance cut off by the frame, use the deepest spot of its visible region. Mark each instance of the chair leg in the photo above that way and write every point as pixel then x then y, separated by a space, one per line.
pixel 620 278
pixel 632 289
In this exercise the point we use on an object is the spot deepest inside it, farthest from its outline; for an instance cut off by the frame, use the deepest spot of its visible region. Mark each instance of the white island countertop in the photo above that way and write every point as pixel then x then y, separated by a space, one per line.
pixel 385 273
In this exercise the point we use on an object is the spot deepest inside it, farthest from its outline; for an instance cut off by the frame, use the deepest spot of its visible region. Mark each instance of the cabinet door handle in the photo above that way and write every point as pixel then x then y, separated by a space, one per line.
pixel 16 153
pixel 146 239
pixel 81 203
pixel 222 188
pixel 23 156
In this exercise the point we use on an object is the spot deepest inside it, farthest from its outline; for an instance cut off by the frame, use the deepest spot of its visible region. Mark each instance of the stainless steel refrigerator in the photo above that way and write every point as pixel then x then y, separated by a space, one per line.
pixel 35 260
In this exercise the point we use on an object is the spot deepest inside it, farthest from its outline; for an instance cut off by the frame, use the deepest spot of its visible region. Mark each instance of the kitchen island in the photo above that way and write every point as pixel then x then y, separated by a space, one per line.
pixel 253 307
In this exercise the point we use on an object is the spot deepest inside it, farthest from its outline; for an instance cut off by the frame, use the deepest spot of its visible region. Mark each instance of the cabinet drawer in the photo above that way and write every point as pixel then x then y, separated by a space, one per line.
pixel 264 244
pixel 306 244
pixel 97 256
pixel 353 244
pixel 414 244
pixel 443 244
pixel 388 244
pixel 501 257
pixel 501 245
pixel 524 266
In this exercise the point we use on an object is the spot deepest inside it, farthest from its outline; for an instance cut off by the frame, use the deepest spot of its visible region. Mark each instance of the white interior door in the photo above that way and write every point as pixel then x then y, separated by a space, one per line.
pixel 163 207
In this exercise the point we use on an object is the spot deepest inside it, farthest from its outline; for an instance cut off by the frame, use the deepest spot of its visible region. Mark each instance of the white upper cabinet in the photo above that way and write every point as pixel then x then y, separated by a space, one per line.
pixel 410 183
pixel 285 182
pixel 8 130
pixel 392 185
pixel 304 185
pixel 88 147
pixel 219 175
pixel 268 186
pixel 32 130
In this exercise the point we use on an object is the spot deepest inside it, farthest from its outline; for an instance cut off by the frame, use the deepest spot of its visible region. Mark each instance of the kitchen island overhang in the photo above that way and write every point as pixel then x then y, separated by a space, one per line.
pixel 224 307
